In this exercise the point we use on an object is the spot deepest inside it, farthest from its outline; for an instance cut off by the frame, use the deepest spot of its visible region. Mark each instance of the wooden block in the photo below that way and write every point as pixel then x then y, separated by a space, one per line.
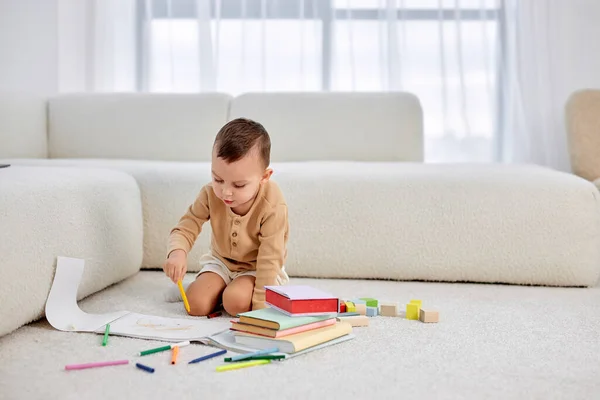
pixel 370 302
pixel 389 310
pixel 361 309
pixel 350 307
pixel 358 320
pixel 371 311
pixel 429 316
pixel 418 302
pixel 412 311
pixel 342 307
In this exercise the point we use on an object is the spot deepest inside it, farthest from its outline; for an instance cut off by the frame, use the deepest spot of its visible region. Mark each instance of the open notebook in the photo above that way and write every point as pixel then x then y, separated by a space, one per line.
pixel 63 313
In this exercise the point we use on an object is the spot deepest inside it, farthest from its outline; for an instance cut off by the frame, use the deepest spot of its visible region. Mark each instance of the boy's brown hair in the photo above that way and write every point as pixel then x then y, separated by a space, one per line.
pixel 236 138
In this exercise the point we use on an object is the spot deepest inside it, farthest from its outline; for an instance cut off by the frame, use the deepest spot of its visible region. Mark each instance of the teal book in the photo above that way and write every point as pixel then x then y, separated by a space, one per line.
pixel 273 319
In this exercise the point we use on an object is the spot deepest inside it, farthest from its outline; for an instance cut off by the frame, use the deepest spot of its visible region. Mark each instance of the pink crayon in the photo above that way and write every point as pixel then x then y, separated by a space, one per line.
pixel 96 364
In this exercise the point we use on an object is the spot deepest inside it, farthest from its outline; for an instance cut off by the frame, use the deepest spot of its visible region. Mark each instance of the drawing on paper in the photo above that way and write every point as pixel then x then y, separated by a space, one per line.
pixel 157 326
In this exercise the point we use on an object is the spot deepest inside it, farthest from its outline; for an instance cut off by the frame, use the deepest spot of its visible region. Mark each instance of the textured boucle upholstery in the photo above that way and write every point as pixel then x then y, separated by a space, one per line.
pixel 94 214
pixel 407 221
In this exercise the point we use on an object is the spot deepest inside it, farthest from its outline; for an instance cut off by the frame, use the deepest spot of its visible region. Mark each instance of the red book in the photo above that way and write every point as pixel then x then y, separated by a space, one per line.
pixel 301 300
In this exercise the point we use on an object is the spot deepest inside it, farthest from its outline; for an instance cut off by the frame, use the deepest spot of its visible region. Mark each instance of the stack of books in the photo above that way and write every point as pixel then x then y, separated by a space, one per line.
pixel 299 318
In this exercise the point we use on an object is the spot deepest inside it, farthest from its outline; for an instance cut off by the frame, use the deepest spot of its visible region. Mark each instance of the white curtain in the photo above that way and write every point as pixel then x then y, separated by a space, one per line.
pixel 489 73
pixel 550 51
pixel 97 45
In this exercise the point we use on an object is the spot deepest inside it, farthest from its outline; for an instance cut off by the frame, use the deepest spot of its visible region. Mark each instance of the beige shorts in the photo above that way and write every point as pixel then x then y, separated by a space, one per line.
pixel 210 263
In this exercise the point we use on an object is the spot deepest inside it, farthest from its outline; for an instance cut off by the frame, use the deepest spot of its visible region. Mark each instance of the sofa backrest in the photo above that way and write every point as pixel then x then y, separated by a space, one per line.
pixel 182 127
pixel 583 128
pixel 337 126
pixel 169 127
pixel 23 126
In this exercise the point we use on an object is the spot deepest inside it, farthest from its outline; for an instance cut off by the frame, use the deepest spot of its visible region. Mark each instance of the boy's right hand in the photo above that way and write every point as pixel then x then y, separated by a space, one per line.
pixel 175 266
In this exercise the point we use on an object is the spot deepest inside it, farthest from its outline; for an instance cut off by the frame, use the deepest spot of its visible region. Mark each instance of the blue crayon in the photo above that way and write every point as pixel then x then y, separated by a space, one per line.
pixel 218 353
pixel 145 368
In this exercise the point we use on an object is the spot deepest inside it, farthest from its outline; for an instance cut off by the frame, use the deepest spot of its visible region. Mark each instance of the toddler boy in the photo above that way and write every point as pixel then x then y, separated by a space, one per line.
pixel 249 220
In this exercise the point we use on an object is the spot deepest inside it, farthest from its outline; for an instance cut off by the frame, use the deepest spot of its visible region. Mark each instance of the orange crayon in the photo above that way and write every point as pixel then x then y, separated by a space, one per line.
pixel 175 354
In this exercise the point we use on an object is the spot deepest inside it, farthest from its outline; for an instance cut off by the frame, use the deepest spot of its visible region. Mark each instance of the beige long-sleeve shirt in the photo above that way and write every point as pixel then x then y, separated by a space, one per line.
pixel 253 242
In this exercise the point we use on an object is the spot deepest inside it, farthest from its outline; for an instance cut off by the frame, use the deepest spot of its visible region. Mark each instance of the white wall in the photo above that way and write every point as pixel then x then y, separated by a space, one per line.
pixel 28 46
pixel 28 74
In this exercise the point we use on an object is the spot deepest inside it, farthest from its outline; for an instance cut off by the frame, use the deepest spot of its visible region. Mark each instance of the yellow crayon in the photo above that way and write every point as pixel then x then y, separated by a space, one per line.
pixel 184 297
pixel 239 365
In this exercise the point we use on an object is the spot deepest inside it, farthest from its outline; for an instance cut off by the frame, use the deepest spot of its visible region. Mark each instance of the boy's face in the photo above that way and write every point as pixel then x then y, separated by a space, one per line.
pixel 237 183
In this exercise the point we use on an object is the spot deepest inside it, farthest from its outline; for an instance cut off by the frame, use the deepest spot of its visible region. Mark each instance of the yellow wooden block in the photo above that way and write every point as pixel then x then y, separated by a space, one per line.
pixel 429 316
pixel 415 301
pixel 412 311
pixel 361 309
pixel 350 307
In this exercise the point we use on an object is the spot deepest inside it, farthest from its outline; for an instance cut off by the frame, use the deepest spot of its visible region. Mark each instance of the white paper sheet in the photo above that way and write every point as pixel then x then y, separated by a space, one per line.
pixel 63 313
pixel 62 310
pixel 170 329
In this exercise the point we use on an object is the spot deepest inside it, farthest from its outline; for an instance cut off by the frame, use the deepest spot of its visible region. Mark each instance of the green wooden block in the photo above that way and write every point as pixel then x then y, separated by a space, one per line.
pixel 370 301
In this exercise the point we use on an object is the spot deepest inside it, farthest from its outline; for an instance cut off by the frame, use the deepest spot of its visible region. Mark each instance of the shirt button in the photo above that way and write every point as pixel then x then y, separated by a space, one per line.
pixel 237 222
pixel 234 234
pixel 234 244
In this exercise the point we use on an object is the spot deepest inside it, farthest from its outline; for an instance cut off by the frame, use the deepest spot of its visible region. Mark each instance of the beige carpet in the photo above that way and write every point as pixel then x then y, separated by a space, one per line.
pixel 493 341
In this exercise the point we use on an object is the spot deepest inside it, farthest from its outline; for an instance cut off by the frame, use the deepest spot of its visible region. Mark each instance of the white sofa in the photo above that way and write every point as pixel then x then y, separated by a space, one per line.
pixel 362 202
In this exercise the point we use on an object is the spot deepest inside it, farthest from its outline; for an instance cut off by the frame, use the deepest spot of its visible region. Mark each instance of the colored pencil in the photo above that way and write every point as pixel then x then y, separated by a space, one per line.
pixel 214 315
pixel 239 365
pixel 96 364
pixel 155 350
pixel 163 348
pixel 174 356
pixel 105 340
pixel 145 367
pixel 256 353
pixel 217 354
pixel 265 357
pixel 183 296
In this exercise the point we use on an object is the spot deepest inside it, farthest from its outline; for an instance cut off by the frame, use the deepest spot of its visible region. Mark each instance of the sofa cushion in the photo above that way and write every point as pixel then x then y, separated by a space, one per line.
pixel 178 127
pixel 167 189
pixel 405 221
pixel 23 126
pixel 94 214
pixel 337 126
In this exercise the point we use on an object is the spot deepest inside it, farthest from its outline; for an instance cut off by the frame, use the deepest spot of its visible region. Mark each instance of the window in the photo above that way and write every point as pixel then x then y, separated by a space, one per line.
pixel 445 52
